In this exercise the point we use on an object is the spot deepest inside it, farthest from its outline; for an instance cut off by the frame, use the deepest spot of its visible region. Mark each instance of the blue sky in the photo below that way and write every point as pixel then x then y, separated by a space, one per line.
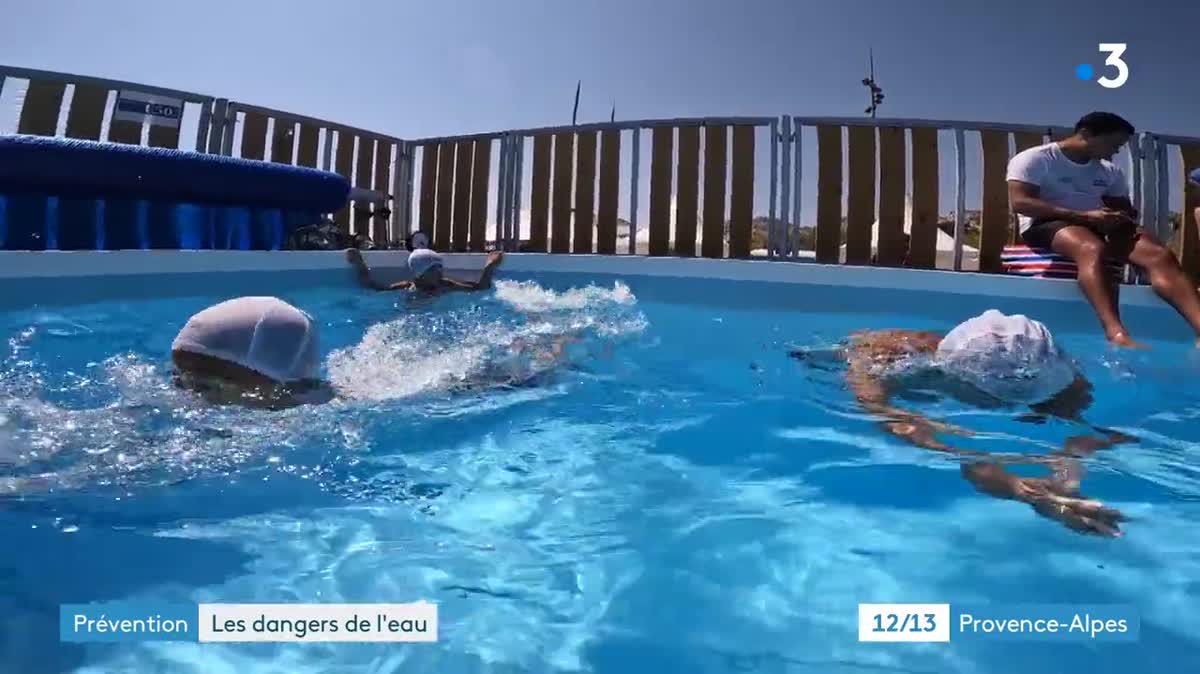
pixel 456 66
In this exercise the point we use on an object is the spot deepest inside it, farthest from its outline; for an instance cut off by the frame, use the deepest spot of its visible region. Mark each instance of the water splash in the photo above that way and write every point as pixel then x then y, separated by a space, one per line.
pixel 529 297
pixel 537 331
pixel 120 423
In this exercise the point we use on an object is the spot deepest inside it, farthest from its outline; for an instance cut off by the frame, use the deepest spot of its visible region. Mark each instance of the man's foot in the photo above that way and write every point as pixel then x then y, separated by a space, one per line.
pixel 1122 339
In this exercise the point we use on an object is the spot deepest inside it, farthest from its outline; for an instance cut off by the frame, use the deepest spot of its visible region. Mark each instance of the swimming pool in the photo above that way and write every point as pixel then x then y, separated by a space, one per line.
pixel 679 495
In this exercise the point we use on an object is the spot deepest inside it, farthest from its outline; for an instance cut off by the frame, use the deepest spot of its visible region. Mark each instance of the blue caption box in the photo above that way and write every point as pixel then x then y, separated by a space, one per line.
pixel 1045 622
pixel 128 621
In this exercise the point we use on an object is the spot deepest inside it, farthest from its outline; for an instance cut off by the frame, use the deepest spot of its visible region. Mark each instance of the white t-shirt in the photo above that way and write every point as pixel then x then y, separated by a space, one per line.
pixel 1064 183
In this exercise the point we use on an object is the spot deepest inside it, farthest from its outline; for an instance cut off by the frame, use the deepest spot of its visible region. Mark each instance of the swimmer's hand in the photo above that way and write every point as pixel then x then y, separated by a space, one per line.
pixel 1059 500
pixel 355 257
pixel 1081 514
pixel 485 278
pixel 1056 498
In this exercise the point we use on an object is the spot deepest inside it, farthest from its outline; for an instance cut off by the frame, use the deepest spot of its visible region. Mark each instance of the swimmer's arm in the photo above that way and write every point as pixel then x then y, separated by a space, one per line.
pixel 455 284
pixel 485 278
pixel 911 427
pixel 1069 403
pixel 364 274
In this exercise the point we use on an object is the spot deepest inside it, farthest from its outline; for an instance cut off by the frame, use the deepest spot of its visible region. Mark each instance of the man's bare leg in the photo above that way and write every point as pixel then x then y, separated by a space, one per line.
pixel 1087 250
pixel 1168 278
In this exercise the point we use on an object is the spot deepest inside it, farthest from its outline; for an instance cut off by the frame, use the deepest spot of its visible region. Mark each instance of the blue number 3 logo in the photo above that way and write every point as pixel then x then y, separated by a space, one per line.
pixel 1114 51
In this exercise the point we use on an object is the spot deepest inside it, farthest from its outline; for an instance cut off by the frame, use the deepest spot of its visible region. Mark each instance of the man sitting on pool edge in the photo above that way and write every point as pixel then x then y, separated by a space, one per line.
pixel 1073 200
pixel 428 273
pixel 991 360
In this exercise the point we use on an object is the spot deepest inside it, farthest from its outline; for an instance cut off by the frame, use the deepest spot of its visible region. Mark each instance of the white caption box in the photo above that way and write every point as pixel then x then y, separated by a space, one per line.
pixel 299 623
pixel 904 622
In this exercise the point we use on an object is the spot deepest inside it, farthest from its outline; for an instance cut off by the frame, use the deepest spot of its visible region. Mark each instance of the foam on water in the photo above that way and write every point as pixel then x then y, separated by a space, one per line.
pixel 422 353
pixel 144 429
pixel 529 297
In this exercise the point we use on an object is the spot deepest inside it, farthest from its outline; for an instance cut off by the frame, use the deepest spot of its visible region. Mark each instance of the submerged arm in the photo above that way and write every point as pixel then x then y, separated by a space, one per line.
pixel 873 396
pixel 355 257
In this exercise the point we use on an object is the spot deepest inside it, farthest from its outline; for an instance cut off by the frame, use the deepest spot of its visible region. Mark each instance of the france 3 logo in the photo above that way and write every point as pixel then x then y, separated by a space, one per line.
pixel 1115 51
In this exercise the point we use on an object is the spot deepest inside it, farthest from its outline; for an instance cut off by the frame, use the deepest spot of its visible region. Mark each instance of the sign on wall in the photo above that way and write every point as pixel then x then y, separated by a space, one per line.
pixel 135 106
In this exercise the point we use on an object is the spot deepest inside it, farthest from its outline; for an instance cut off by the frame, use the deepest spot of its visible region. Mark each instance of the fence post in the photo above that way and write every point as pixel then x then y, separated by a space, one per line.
pixel 778 240
pixel 327 158
pixel 960 196
pixel 411 153
pixel 229 124
pixel 634 163
pixel 771 235
pixel 1162 221
pixel 797 174
pixel 216 126
pixel 1136 159
pixel 518 171
pixel 501 195
pixel 1149 213
pixel 400 204
pixel 1145 187
pixel 203 126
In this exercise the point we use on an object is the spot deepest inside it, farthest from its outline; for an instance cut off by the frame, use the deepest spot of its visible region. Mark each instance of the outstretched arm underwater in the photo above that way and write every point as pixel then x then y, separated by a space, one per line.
pixel 868 351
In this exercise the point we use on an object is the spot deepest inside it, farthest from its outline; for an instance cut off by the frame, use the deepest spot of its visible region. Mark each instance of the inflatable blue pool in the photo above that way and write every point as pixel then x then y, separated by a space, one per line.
pixel 64 194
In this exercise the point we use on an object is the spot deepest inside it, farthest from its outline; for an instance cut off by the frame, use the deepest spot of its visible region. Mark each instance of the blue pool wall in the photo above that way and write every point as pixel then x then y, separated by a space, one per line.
pixel 29 279
pixel 69 195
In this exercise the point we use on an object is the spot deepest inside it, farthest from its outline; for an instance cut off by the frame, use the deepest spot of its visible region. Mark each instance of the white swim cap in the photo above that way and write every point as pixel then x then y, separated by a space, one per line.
pixel 263 334
pixel 422 260
pixel 1011 357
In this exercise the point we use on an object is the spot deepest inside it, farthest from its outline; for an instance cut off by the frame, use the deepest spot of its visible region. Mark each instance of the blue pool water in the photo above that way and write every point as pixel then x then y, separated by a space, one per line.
pixel 678 495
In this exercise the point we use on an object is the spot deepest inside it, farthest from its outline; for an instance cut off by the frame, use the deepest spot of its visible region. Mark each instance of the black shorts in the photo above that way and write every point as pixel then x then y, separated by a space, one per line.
pixel 1041 233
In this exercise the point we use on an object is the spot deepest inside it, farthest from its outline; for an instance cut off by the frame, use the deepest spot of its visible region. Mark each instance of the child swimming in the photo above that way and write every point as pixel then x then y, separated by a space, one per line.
pixel 991 360
pixel 428 273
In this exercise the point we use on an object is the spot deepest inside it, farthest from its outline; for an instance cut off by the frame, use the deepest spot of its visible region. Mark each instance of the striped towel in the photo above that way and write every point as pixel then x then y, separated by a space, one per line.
pixel 1022 260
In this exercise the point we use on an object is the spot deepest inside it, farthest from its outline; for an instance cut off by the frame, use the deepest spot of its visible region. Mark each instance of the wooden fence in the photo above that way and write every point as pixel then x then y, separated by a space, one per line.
pixel 706 177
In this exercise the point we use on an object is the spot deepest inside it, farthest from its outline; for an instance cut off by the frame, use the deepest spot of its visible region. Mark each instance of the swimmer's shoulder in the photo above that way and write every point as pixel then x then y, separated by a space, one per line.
pixel 905 339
